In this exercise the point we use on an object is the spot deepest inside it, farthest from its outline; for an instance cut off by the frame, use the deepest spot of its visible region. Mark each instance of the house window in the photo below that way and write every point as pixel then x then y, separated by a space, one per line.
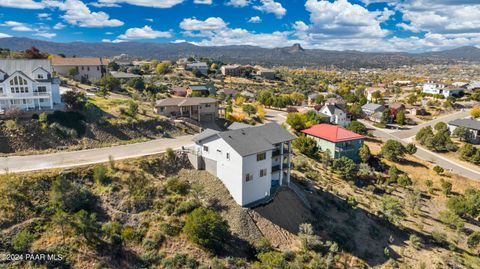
pixel 40 76
pixel 88 68
pixel 162 109
pixel 248 177
pixel 83 68
pixel 261 156
pixel 228 156
pixel 207 105
pixel 205 148
pixel 98 68
pixel 219 151
pixel 263 172
pixel 1 90
pixel 42 89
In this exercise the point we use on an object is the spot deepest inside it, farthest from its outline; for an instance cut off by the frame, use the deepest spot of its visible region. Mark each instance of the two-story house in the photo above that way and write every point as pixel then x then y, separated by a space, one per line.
pixel 251 161
pixel 85 68
pixel 28 85
pixel 337 141
pixel 337 115
pixel 197 108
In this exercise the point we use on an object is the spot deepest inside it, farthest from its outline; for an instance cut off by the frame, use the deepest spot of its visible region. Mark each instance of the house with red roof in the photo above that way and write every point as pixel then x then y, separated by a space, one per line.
pixel 335 139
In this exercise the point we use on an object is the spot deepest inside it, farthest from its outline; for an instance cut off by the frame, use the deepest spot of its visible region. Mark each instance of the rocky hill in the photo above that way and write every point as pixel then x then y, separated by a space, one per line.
pixel 294 56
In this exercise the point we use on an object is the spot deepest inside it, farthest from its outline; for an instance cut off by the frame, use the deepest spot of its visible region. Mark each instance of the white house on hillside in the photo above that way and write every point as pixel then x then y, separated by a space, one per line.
pixel 337 115
pixel 251 161
pixel 28 85
pixel 86 68
pixel 434 88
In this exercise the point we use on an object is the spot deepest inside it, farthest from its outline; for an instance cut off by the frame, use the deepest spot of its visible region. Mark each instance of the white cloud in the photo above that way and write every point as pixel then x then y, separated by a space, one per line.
pixel 77 13
pixel 238 3
pixel 255 19
pixel 144 33
pixel 17 26
pixel 2 35
pixel 180 41
pixel 341 19
pixel 44 16
pixel 45 34
pixel 109 33
pixel 270 6
pixel 386 14
pixel 145 3
pixel 113 41
pixel 59 26
pixel 149 19
pixel 99 5
pixel 203 2
pixel 23 4
pixel 212 23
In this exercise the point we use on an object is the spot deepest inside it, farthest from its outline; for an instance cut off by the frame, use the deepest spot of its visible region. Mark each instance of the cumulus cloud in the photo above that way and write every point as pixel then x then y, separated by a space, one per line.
pixel 2 35
pixel 145 3
pixel 77 13
pixel 59 26
pixel 24 4
pixel 212 23
pixel 270 6
pixel 17 26
pixel 44 16
pixel 255 19
pixel 145 32
pixel 45 34
pixel 203 2
pixel 238 3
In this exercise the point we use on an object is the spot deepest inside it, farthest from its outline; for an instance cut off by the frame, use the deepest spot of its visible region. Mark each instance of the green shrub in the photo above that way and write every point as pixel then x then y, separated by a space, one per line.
pixel 186 207
pixel 206 228
pixel 23 240
pixel 100 174
pixel 175 185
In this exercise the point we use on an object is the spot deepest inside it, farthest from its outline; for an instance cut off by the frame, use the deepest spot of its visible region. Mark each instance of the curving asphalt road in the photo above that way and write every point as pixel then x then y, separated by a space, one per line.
pixel 90 156
pixel 425 154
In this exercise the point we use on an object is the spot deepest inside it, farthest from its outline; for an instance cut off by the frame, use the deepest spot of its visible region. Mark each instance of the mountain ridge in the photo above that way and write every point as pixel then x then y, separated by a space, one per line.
pixel 294 56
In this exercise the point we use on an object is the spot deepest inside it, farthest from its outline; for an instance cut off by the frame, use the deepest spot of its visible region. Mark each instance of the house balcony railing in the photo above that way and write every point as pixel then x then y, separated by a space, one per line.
pixel 346 148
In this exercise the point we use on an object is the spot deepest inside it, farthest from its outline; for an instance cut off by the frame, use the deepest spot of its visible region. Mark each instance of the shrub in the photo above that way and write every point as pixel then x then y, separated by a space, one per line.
pixel 473 240
pixel 23 240
pixel 100 174
pixel 393 150
pixel 206 228
pixel 415 241
pixel 270 260
pixel 357 127
pixel 175 185
pixel 344 166
pixel 68 196
pixel 446 187
pixel 306 145
pixel 439 238
pixel 186 207
pixel 437 169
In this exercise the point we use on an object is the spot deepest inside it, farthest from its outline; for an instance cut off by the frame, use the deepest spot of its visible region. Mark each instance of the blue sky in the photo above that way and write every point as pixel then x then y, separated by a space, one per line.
pixel 366 25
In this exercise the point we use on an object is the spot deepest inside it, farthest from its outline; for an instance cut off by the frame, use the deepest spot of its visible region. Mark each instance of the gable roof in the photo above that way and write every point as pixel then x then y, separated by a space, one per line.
pixel 332 133
pixel 24 66
pixel 238 125
pixel 59 61
pixel 372 106
pixel 468 123
pixel 252 140
pixel 331 108
pixel 191 101
pixel 205 134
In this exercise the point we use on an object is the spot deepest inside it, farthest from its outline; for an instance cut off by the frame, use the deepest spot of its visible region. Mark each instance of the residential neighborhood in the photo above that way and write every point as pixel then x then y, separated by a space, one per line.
pixel 257 134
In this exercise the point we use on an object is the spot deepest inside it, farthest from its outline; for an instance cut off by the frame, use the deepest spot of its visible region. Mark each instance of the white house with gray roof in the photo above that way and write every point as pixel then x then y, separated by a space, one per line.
pixel 337 115
pixel 472 126
pixel 28 85
pixel 251 161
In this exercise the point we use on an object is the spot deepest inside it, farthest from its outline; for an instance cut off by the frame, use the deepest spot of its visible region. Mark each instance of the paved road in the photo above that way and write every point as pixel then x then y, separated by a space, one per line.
pixel 90 156
pixel 276 116
pixel 428 155
pixel 414 130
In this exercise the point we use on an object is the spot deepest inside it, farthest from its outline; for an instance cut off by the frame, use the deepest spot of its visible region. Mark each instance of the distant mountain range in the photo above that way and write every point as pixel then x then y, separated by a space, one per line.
pixel 294 56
